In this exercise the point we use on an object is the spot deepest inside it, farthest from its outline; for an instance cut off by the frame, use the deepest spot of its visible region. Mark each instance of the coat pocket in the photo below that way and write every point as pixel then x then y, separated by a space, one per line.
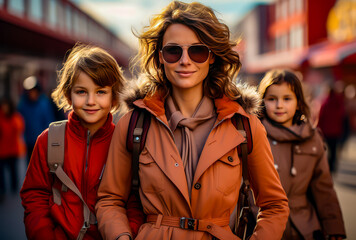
pixel 227 172
pixel 152 179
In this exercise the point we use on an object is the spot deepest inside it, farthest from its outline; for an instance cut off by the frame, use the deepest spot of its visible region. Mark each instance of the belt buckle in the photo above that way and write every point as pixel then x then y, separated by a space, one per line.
pixel 192 224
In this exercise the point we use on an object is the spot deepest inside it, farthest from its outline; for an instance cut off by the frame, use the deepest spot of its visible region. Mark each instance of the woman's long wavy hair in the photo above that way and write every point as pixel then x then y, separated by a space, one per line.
pixel 279 76
pixel 209 30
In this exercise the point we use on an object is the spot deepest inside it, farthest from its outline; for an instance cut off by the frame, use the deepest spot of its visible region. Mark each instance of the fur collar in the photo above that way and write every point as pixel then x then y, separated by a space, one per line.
pixel 249 100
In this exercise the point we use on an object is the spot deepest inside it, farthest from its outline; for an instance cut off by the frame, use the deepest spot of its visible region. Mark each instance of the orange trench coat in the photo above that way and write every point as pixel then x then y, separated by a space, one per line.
pixel 163 186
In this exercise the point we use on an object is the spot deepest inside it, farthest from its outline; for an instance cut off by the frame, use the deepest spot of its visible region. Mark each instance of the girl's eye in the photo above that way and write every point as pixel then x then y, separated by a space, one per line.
pixel 80 92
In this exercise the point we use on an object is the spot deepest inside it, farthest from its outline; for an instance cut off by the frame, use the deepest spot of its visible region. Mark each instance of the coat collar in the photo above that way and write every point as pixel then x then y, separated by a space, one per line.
pixel 225 107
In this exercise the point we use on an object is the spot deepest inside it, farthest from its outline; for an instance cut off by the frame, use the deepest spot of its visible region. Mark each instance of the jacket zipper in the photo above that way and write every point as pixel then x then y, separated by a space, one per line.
pixel 86 156
pixel 86 167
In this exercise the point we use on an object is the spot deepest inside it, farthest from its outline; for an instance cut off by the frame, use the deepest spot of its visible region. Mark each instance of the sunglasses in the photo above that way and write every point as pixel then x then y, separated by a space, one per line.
pixel 197 53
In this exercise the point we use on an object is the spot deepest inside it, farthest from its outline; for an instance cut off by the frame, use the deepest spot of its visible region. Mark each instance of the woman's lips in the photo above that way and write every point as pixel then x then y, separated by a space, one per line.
pixel 185 73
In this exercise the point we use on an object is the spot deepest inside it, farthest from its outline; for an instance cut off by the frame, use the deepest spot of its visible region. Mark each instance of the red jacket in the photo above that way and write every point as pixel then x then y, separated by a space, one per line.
pixel 11 139
pixel 84 163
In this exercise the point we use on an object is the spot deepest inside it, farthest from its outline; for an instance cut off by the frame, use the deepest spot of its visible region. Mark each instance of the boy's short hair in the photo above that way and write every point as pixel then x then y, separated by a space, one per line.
pixel 98 64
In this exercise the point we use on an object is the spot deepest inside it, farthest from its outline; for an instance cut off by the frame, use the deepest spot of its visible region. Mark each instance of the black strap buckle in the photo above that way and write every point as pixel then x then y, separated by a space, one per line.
pixel 192 224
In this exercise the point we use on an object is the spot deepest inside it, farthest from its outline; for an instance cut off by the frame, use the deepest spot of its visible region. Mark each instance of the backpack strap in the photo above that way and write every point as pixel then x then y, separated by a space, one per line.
pixel 55 159
pixel 136 137
pixel 246 201
pixel 244 128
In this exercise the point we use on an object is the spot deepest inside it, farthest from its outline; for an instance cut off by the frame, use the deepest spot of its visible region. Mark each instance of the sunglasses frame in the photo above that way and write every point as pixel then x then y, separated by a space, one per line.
pixel 182 47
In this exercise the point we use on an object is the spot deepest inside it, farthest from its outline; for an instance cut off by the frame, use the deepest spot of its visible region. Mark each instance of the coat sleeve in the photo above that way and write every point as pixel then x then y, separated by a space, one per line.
pixel 36 193
pixel 114 189
pixel 265 182
pixel 325 198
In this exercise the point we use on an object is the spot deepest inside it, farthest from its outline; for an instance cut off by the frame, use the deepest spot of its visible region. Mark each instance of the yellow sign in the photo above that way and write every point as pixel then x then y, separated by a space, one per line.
pixel 341 22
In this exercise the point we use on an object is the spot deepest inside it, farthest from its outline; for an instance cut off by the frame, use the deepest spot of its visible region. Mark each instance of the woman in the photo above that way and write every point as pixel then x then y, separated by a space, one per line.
pixel 190 172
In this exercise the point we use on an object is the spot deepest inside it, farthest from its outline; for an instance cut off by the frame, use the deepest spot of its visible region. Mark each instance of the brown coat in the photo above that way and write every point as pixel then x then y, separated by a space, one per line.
pixel 163 186
pixel 312 179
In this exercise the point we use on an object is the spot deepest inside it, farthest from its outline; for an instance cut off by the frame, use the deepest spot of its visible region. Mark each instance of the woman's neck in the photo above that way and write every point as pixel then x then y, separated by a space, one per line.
pixel 187 101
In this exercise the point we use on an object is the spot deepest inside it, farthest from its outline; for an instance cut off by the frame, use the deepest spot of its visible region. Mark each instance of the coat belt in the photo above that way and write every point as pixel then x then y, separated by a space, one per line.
pixel 212 226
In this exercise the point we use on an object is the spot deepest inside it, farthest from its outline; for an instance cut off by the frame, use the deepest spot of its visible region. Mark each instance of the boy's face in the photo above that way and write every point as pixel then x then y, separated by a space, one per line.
pixel 90 102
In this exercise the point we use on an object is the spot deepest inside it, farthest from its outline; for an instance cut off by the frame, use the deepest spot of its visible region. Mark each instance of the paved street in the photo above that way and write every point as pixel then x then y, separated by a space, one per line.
pixel 11 211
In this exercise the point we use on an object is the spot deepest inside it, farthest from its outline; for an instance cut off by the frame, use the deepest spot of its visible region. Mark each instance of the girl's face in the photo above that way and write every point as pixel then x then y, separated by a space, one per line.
pixel 90 102
pixel 281 104
pixel 185 74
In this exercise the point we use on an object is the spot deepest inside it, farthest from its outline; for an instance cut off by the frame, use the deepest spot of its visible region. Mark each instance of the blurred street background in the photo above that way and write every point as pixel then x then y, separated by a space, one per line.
pixel 317 38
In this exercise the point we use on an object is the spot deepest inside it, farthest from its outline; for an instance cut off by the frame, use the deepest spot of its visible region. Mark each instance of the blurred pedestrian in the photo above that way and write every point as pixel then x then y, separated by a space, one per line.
pixel 301 160
pixel 36 109
pixel 11 143
pixel 189 168
pixel 89 86
pixel 333 124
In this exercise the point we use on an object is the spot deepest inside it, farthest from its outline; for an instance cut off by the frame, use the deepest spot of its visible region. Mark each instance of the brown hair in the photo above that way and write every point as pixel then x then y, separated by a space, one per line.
pixel 279 76
pixel 210 31
pixel 97 63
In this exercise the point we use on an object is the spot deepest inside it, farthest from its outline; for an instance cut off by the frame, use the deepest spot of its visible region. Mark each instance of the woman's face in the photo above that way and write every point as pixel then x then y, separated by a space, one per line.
pixel 185 74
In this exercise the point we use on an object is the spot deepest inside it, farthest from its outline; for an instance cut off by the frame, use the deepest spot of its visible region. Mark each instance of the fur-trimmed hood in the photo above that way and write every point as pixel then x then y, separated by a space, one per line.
pixel 249 100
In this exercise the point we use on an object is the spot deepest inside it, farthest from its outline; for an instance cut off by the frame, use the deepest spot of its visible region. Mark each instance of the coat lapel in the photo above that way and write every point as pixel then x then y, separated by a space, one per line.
pixel 221 140
pixel 167 157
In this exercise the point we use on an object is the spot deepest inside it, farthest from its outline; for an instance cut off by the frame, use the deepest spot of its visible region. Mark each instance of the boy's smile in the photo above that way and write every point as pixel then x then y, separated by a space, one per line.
pixel 92 103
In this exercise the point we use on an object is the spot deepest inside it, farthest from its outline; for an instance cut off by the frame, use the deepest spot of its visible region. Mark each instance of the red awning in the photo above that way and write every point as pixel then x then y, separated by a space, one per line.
pixel 332 54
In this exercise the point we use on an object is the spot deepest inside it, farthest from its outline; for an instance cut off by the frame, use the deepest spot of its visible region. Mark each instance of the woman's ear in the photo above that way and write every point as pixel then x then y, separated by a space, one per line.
pixel 161 61
pixel 211 58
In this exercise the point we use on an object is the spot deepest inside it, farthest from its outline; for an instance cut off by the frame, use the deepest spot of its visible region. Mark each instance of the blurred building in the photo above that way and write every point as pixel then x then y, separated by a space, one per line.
pixel 315 37
pixel 35 36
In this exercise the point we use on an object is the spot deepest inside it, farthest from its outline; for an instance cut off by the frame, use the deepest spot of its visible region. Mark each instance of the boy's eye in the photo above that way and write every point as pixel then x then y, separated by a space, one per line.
pixel 102 92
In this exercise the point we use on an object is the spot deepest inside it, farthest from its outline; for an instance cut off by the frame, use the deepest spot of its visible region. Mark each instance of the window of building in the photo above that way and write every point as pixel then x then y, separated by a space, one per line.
pixel 299 4
pixel 296 37
pixel 17 7
pixel 35 10
pixel 284 9
pixel 68 19
pixel 52 13
pixel 61 16
pixel 292 6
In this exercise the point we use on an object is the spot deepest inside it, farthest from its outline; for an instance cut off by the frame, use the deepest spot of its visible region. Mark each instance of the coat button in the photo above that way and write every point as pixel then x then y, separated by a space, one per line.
pixel 197 186
pixel 230 159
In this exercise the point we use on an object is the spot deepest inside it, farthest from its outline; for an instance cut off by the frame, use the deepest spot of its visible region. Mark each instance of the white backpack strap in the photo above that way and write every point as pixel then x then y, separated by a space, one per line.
pixel 55 154
pixel 55 159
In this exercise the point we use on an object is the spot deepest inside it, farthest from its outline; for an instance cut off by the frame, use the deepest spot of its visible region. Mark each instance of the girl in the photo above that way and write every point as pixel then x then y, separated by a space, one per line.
pixel 300 159
pixel 89 84
pixel 189 169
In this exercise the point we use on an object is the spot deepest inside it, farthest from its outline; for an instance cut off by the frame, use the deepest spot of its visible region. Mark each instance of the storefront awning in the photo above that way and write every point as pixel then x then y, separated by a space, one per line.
pixel 331 54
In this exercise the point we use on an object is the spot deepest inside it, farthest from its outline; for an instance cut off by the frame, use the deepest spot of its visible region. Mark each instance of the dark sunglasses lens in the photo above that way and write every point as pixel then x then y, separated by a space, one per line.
pixel 198 53
pixel 172 54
